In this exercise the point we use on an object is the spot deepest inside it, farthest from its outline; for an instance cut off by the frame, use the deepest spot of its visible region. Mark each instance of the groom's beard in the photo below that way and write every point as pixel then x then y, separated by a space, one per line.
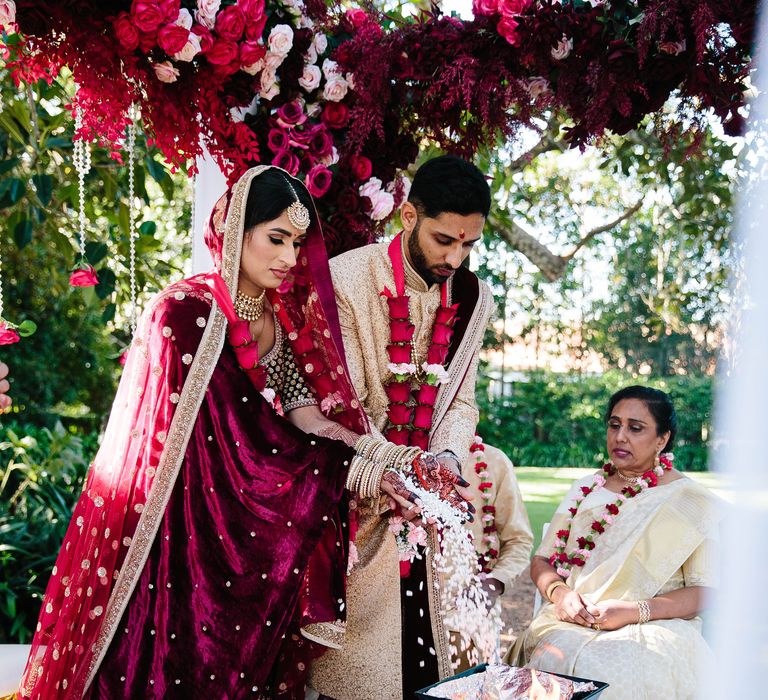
pixel 419 259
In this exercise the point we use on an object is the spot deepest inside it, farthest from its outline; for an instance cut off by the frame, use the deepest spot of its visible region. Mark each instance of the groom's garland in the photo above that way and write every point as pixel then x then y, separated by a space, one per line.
pixel 412 390
pixel 563 561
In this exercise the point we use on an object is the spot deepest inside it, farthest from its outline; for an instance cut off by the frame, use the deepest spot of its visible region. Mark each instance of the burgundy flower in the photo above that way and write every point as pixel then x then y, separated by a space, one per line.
pixel 335 115
pixel 230 23
pixel 172 38
pixel 563 534
pixel 399 354
pixel 581 541
pixel 398 392
pixel 223 52
pixel 125 31
pixel 399 414
pixel 318 180
pixel 291 114
pixel 597 526
pixel 348 202
pixel 147 16
pixel 8 336
pixel 562 556
pixel 321 142
pixel 612 508
pixel 277 140
pixel 427 394
pixel 420 438
pixel 573 511
pixel 362 168
pixel 422 417
pixel 401 330
pixel 286 160
pixel 84 277
pixel 586 490
pixel 436 354
pixel 489 509
pixel 398 307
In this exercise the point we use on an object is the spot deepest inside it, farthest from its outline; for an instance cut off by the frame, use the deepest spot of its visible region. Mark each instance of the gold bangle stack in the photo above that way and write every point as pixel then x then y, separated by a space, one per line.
pixel 374 456
pixel 643 612
pixel 364 477
pixel 551 589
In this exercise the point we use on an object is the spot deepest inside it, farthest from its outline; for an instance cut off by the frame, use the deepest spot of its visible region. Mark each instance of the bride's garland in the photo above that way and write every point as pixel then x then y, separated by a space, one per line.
pixel 563 561
pixel 412 391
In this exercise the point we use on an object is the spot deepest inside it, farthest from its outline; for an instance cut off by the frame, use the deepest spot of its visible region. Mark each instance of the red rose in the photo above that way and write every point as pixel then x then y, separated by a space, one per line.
pixel 441 334
pixel 147 16
pixel 85 277
pixel 586 490
pixel 399 414
pixel 427 394
pixel 126 33
pixel 398 392
pixel 405 565
pixel 422 417
pixel 251 52
pixel 8 336
pixel 356 18
pixel 484 7
pixel 597 526
pixel 437 354
pixel 398 436
pixel 651 478
pixel 254 28
pixel 399 354
pixel 446 314
pixel 247 355
pixel 230 23
pixel 172 38
pixel 563 535
pixel 612 508
pixel 223 52
pixel 252 9
pixel 507 27
pixel 335 115
pixel 401 330
pixel 205 36
pixel 509 8
pixel 577 561
pixel 318 180
pixel 321 143
pixel 170 9
pixel 239 333
pixel 286 160
pixel 589 545
pixel 493 553
pixel 291 114
pixel 362 168
pixel 420 438
pixel 398 307
pixel 277 140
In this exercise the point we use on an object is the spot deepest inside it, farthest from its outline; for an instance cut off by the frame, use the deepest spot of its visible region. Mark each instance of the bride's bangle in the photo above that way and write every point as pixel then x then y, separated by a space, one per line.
pixel 551 589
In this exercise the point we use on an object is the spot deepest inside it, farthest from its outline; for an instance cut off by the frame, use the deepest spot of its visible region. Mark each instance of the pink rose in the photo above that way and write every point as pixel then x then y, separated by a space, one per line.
pixel 280 39
pixel 268 87
pixel 170 9
pixel 417 535
pixel 361 167
pixel 335 89
pixel 507 27
pixel 510 8
pixel 252 9
pixel 320 43
pixel 318 180
pixel 84 277
pixel 251 53
pixel 166 72
pixel 321 143
pixel 206 12
pixel 382 204
pixel 255 28
pixel 310 78
pixel 277 140
pixel 335 115
pixel 205 37
pixel 484 7
pixel 286 160
pixel 356 17
pixel 7 18
pixel 230 23
pixel 291 114
pixel 172 38
pixel 8 336
pixel 190 50
pixel 223 52
pixel 147 16
pixel 672 47
pixel 185 19
pixel 537 86
pixel 370 188
pixel 126 33
pixel 395 524
pixel 247 355
pixel 563 49
pixel 123 358
pixel 239 333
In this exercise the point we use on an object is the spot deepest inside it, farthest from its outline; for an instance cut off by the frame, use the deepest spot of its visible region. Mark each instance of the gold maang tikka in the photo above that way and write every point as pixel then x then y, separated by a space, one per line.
pixel 298 214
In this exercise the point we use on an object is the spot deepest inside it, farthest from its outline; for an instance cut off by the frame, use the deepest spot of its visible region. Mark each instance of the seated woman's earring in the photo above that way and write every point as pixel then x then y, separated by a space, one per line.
pixel 657 463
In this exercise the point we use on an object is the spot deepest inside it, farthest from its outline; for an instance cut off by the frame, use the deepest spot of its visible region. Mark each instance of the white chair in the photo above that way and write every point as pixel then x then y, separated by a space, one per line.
pixel 13 659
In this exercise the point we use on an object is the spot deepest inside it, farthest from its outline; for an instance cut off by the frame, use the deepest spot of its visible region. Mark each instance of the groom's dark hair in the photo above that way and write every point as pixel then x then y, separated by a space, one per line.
pixel 450 184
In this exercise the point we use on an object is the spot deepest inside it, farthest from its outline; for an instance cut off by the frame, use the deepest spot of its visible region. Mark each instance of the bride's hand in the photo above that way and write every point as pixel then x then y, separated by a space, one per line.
pixel 434 476
pixel 393 486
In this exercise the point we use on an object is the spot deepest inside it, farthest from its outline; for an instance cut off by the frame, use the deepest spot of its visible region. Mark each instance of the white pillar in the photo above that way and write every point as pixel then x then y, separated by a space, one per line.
pixel 210 184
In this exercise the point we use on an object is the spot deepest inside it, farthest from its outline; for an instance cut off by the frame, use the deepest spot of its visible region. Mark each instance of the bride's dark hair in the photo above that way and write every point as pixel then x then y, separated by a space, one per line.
pixel 270 195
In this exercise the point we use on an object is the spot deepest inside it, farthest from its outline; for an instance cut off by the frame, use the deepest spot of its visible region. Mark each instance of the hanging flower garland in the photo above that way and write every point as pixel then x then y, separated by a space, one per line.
pixel 563 561
pixel 412 390
pixel 487 550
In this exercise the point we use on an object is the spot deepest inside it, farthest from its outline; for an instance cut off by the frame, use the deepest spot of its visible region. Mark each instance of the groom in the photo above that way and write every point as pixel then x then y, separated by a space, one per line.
pixel 411 315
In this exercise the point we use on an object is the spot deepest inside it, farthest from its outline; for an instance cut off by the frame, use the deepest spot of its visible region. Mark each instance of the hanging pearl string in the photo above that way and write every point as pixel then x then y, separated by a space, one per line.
pixel 2 302
pixel 81 158
pixel 131 146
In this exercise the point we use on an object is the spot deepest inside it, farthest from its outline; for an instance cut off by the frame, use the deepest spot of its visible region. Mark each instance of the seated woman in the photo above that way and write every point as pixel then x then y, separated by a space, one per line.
pixel 210 542
pixel 626 565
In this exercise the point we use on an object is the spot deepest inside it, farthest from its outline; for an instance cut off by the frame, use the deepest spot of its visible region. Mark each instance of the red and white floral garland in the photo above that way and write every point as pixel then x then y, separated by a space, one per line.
pixel 487 509
pixel 412 393
pixel 563 561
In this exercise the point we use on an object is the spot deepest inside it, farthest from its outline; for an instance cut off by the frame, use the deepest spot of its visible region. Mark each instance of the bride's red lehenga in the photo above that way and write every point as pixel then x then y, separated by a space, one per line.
pixel 210 529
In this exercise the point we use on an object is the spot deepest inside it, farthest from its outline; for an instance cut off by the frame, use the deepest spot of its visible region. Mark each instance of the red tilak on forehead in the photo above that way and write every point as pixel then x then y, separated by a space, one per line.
pixel 461 234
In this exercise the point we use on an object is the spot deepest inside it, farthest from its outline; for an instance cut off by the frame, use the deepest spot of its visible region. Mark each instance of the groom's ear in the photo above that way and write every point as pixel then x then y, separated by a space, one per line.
pixel 408 216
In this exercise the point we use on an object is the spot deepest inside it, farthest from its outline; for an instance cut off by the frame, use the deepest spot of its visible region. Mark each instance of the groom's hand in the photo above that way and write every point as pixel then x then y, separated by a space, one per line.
pixel 451 461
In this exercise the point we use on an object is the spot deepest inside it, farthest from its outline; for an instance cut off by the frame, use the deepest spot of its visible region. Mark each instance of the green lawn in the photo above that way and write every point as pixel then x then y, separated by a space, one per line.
pixel 544 487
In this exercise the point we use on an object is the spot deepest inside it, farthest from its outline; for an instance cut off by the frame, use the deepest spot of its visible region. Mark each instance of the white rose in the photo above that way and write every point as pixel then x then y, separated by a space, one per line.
pixel 335 89
pixel 274 60
pixel 382 205
pixel 311 55
pixel 7 13
pixel 206 12
pixel 310 79
pixel 320 43
pixel 350 78
pixel 190 50
pixel 269 86
pixel 537 86
pixel 563 49
pixel 294 7
pixel 184 19
pixel 305 22
pixel 254 67
pixel 330 68
pixel 370 188
pixel 166 72
pixel 281 39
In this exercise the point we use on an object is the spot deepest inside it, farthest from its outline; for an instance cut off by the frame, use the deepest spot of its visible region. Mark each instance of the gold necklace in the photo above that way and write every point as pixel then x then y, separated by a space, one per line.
pixel 628 479
pixel 249 308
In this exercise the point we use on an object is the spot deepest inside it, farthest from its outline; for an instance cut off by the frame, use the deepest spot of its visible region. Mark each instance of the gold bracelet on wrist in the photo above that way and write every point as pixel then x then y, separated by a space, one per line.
pixel 551 589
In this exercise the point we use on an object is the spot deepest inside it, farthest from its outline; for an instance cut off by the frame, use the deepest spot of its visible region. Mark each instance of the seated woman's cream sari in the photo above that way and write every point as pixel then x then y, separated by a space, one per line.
pixel 663 539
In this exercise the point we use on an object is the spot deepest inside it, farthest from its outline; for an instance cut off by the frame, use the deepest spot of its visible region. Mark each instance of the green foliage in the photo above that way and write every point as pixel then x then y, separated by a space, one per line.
pixel 553 420
pixel 40 479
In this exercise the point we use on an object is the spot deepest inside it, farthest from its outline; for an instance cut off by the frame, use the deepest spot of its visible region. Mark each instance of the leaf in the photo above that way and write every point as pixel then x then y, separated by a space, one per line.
pixel 14 188
pixel 22 232
pixel 95 252
pixel 148 228
pixel 26 328
pixel 44 186
pixel 106 284
pixel 109 313
pixel 8 165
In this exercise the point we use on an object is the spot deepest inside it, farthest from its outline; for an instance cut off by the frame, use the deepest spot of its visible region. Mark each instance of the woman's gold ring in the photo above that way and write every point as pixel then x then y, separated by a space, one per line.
pixel 596 627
